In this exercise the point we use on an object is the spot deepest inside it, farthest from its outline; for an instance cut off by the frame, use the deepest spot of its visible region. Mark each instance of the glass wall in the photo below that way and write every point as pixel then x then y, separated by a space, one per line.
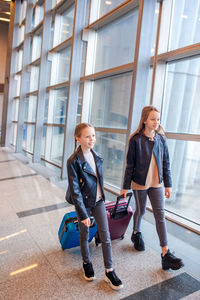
pixel 54 120
pixel 107 108
pixel 63 26
pixel 185 160
pixel 115 44
pixel 180 105
pixel 101 65
pixel 100 8
pixel 181 98
pixel 185 25
pixel 60 63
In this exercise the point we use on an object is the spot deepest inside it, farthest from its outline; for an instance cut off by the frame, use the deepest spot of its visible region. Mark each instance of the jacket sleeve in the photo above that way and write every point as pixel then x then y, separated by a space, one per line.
pixel 74 188
pixel 166 166
pixel 130 165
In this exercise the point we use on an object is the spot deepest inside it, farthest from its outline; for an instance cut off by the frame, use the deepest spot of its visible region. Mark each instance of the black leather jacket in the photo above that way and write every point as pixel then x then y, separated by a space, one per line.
pixel 139 156
pixel 82 182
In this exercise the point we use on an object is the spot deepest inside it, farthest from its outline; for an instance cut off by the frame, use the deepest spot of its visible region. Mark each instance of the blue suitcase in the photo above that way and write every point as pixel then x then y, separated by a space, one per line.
pixel 68 232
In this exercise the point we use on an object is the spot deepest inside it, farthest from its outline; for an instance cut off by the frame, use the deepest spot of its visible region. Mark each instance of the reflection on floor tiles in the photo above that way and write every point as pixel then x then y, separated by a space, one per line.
pixel 34 267
pixel 175 288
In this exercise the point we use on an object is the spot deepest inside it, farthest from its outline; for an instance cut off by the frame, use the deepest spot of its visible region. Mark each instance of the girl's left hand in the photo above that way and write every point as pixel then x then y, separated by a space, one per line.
pixel 86 222
pixel 168 192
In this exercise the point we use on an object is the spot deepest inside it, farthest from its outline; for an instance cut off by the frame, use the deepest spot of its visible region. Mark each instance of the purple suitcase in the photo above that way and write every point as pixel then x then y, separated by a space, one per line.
pixel 119 214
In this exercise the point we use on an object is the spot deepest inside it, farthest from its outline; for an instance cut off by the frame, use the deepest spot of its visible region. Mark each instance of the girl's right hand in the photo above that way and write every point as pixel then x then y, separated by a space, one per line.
pixel 86 222
pixel 124 192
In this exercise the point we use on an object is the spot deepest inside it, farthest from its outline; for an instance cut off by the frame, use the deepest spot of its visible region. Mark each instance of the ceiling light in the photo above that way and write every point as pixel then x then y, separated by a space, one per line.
pixel 3 19
pixel 184 16
pixel 108 2
pixel 157 11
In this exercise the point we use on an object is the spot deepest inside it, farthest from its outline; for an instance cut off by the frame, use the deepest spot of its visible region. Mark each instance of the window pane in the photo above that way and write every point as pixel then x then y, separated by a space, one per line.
pixel 80 103
pixel 57 145
pixel 115 44
pixel 30 108
pixel 15 110
pixel 60 66
pixel 111 147
pixel 35 47
pixel 57 106
pixel 100 8
pixel 63 26
pixel 18 60
pixel 20 36
pixel 34 78
pixel 13 134
pixel 181 113
pixel 38 15
pixel 17 81
pixel 23 8
pixel 185 25
pixel 185 166
pixel 28 137
pixel 155 24
pixel 110 101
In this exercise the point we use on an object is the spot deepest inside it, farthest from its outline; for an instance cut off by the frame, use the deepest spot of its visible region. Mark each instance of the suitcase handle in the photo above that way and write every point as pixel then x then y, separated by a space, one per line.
pixel 128 195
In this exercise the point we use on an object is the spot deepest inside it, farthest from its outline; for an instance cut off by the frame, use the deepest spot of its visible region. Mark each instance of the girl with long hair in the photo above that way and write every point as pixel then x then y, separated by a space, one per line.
pixel 147 169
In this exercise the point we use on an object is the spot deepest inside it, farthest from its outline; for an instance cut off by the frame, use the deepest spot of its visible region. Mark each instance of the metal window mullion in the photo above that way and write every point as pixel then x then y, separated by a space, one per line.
pixel 24 76
pixel 6 126
pixel 43 77
pixel 74 80
pixel 156 53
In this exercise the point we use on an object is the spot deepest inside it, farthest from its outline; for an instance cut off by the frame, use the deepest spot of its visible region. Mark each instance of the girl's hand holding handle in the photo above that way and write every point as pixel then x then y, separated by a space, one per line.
pixel 86 222
pixel 124 192
pixel 168 192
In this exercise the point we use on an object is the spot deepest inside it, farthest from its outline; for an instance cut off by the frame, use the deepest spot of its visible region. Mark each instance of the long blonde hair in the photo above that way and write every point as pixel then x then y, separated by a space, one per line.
pixel 78 131
pixel 144 116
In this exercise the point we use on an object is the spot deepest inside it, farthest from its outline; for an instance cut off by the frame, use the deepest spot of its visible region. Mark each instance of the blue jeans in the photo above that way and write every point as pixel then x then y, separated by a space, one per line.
pixel 99 213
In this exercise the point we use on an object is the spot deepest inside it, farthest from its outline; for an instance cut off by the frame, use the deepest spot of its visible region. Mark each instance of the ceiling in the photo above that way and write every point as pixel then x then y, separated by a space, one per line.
pixel 4 10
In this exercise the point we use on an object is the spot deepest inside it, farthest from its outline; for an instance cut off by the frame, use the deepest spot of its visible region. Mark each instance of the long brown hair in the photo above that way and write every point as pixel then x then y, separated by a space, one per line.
pixel 144 116
pixel 78 131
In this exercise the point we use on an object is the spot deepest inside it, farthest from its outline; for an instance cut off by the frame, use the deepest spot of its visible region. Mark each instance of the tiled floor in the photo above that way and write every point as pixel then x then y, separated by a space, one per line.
pixel 31 209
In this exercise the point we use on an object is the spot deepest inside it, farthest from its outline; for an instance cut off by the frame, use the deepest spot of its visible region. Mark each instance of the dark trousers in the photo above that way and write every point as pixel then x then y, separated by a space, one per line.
pixel 99 213
pixel 156 198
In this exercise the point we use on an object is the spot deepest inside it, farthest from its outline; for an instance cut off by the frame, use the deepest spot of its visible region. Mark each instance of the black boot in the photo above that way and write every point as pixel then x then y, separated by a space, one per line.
pixel 138 241
pixel 170 261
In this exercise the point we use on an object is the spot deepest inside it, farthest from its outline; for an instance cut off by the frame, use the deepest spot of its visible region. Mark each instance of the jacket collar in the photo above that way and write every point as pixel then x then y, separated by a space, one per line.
pixel 146 137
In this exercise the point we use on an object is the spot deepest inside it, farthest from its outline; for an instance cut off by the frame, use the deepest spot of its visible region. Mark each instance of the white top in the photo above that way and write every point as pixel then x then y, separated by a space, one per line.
pixel 90 159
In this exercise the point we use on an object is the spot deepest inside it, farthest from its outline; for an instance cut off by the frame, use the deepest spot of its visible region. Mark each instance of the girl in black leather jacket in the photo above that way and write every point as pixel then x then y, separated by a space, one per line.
pixel 147 168
pixel 85 191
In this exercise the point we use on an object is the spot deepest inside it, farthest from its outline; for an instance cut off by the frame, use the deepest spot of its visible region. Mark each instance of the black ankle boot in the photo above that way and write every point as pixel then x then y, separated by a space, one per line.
pixel 138 241
pixel 170 261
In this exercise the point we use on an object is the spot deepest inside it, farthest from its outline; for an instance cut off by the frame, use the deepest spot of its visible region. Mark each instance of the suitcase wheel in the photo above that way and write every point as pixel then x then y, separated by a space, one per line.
pixel 122 237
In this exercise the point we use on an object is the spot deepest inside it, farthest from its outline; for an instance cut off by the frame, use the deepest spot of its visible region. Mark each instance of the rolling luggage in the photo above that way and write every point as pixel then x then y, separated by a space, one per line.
pixel 68 232
pixel 119 214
